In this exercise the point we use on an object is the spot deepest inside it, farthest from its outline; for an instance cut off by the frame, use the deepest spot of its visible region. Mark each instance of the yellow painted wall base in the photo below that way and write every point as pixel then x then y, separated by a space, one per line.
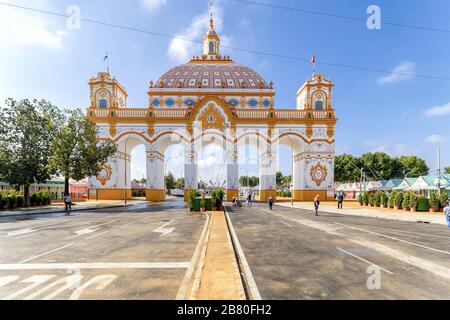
pixel 112 194
pixel 232 193
pixel 155 195
pixel 309 195
pixel 265 194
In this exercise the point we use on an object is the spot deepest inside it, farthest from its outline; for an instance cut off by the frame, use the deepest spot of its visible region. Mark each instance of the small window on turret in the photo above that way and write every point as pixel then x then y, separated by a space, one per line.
pixel 319 105
pixel 103 104
pixel 211 47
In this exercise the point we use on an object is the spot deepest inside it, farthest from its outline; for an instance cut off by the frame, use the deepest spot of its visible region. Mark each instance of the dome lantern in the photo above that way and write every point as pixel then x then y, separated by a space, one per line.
pixel 211 41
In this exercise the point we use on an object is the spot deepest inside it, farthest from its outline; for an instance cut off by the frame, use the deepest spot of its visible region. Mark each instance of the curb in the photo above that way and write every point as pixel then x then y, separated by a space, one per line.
pixel 247 279
pixel 63 211
pixel 190 284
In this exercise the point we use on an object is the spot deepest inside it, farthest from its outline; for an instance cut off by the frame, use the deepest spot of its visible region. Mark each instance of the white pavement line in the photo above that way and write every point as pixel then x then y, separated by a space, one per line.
pixel 96 265
pixel 181 295
pixel 286 224
pixel 396 239
pixel 393 253
pixel 251 283
pixel 45 253
pixel 20 232
pixel 96 235
pixel 364 260
pixel 267 211
pixel 409 232
pixel 128 224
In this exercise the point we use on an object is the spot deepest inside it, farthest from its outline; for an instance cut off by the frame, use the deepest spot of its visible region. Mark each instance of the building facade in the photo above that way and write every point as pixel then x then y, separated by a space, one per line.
pixel 213 100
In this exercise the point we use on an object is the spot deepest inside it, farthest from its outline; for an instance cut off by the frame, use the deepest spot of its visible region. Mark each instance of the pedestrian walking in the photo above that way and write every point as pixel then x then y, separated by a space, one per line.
pixel 340 201
pixel 317 204
pixel 249 200
pixel 447 213
pixel 270 203
pixel 68 202
pixel 234 201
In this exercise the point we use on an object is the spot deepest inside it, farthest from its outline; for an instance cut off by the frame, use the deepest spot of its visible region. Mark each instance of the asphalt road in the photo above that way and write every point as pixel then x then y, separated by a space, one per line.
pixel 294 255
pixel 139 252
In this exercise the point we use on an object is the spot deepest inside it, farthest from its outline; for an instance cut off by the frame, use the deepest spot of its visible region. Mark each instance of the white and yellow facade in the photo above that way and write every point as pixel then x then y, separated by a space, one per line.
pixel 213 100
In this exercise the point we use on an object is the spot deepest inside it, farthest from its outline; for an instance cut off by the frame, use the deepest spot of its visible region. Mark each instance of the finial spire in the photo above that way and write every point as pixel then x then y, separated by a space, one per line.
pixel 211 23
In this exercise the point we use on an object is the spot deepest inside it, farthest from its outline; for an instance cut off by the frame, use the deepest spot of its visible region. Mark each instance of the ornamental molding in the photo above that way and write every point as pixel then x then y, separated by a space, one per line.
pixel 318 174
pixel 105 174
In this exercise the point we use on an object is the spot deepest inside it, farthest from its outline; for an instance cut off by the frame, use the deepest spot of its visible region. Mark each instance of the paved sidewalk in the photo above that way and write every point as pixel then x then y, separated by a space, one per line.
pixel 220 278
pixel 59 208
pixel 435 218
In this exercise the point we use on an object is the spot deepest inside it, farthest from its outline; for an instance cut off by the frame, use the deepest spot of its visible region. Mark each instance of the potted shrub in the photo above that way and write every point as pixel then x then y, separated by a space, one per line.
pixel 220 195
pixel 366 199
pixel 203 203
pixel 214 200
pixel 20 201
pixel 360 199
pixel 413 202
pixel 398 201
pixel 434 202
pixel 443 200
pixel 405 203
pixel 392 199
pixel 377 198
pixel 2 201
pixel 191 198
pixel 423 204
pixel 33 199
pixel 384 200
pixel 371 202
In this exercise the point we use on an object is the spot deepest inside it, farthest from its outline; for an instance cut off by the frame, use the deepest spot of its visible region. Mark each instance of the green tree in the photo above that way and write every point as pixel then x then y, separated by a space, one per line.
pixel 414 167
pixel 27 130
pixel 447 170
pixel 170 181
pixel 76 152
pixel 347 168
pixel 180 184
pixel 280 179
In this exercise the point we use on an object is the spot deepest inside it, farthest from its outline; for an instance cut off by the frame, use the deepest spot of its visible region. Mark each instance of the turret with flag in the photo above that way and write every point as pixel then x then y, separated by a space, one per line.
pixel 106 58
pixel 313 62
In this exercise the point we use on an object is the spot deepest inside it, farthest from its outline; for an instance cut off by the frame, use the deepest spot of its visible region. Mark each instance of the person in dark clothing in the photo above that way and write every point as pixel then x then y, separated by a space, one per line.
pixel 316 204
pixel 340 201
pixel 270 203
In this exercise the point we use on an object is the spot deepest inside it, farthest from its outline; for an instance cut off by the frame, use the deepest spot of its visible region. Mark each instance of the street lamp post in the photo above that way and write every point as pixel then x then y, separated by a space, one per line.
pixel 292 174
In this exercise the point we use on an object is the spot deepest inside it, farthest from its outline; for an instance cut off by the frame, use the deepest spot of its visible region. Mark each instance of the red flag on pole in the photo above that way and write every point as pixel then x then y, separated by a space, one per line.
pixel 313 60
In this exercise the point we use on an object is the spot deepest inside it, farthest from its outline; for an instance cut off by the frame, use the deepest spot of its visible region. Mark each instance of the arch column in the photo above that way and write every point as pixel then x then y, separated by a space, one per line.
pixel 232 173
pixel 190 172
pixel 155 176
pixel 267 175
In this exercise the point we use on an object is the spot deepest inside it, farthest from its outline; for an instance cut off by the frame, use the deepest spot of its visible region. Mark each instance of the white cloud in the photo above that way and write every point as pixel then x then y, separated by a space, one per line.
pixel 433 139
pixel 438 110
pixel 19 29
pixel 181 50
pixel 391 148
pixel 404 71
pixel 153 4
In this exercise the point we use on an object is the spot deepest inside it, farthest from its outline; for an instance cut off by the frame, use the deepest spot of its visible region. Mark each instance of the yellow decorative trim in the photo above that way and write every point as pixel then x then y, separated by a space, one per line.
pixel 113 194
pixel 265 194
pixel 155 195
pixel 309 195
pixel 232 193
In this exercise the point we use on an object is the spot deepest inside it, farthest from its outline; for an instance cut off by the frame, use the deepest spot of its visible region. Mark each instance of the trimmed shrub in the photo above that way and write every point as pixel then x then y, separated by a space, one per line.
pixel 405 203
pixel 385 199
pixel 423 204
pixel 399 200
pixel 33 199
pixel 191 198
pixel 360 199
pixel 443 199
pixel 20 201
pixel 413 200
pixel 11 202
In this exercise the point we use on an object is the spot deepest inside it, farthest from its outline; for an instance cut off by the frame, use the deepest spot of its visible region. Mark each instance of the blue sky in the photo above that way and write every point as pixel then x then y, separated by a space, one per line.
pixel 40 57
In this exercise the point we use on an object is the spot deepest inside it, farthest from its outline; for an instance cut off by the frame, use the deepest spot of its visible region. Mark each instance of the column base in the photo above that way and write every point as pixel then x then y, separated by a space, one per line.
pixel 232 193
pixel 309 195
pixel 265 194
pixel 112 194
pixel 156 195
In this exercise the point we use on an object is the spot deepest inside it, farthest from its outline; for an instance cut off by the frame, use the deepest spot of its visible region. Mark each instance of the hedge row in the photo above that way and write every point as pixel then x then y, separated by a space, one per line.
pixel 14 199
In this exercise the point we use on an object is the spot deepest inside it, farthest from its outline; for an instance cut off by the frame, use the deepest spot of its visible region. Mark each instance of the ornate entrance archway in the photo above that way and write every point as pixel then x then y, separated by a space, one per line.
pixel 213 98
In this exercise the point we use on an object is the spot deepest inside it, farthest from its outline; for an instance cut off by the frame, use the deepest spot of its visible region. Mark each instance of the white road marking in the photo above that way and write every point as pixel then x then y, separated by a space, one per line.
pixel 409 232
pixel 66 282
pixel 165 231
pixel 393 253
pixel 45 253
pixel 35 281
pixel 7 280
pixel 287 224
pixel 96 235
pixel 393 238
pixel 95 265
pixel 20 232
pixel 364 260
pixel 128 224
pixel 102 282
pixel 84 232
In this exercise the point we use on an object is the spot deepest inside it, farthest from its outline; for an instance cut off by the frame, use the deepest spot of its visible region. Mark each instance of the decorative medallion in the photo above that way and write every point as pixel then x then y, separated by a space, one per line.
pixel 318 174
pixel 105 174
pixel 211 118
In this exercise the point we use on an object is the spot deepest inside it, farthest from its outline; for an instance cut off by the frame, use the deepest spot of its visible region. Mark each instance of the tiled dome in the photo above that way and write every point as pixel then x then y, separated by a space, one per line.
pixel 212 76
